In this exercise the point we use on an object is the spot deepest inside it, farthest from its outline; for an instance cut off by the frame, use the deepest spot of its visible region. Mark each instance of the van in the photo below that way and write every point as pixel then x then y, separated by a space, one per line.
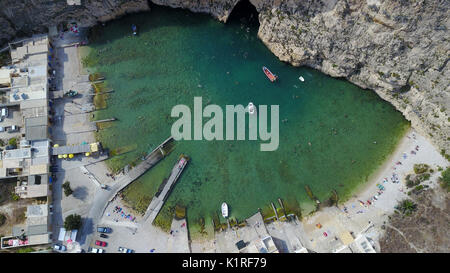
pixel 4 113
pixel 13 128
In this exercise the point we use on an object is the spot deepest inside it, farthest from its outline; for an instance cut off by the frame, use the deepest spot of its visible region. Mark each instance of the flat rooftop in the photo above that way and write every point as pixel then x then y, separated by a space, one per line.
pixel 17 154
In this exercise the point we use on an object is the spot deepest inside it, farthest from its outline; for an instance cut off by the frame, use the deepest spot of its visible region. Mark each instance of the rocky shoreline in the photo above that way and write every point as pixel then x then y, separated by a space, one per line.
pixel 399 49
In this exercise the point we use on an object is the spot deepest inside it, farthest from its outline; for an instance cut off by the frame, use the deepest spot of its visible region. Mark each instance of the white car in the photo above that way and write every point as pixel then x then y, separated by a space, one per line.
pixel 2 129
pixel 4 113
pixel 97 250
pixel 60 247
pixel 125 250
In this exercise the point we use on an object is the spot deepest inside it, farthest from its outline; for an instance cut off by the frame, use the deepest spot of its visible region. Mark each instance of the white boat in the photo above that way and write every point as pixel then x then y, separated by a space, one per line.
pixel 251 108
pixel 224 210
pixel 301 79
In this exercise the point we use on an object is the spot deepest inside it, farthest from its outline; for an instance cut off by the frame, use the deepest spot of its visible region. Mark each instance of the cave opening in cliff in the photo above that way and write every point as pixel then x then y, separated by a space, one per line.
pixel 244 12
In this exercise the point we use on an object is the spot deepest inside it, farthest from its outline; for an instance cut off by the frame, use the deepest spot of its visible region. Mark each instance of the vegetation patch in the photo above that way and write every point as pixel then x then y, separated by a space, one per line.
pixel 72 222
pixel 67 189
pixel 180 212
pixel 2 219
pixel 444 180
pixel 407 207
pixel 421 168
pixel 25 250
pixel 13 141
pixel 164 219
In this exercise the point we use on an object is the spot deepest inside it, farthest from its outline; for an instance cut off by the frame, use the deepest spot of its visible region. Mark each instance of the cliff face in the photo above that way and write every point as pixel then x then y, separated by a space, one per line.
pixel 399 48
pixel 24 17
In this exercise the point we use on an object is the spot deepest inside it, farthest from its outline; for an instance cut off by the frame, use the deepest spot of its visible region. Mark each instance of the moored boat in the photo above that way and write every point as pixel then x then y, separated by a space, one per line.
pixel 272 77
pixel 251 108
pixel 301 78
pixel 224 210
pixel 134 29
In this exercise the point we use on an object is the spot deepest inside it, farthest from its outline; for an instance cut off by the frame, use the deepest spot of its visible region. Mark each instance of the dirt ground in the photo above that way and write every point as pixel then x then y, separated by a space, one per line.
pixel 425 230
pixel 13 210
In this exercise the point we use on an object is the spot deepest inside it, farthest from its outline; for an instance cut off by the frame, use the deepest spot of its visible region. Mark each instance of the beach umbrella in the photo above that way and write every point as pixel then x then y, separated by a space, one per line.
pixel 65 155
pixel 60 156
pixel 87 154
pixel 71 156
pixel 56 145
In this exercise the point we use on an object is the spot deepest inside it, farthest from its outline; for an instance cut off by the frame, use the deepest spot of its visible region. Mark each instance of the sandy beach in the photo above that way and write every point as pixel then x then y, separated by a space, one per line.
pixel 355 217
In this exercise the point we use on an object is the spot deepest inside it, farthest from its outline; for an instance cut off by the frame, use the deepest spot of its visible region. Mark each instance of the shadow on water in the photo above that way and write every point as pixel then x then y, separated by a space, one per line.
pixel 244 12
pixel 123 25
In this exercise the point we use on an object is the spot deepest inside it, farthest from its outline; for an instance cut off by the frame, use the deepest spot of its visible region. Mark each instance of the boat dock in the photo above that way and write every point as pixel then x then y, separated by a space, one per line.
pixel 160 197
pixel 148 162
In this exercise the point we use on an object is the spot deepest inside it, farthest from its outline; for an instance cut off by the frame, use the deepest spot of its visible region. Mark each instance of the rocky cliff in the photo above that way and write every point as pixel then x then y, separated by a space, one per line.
pixel 24 17
pixel 398 48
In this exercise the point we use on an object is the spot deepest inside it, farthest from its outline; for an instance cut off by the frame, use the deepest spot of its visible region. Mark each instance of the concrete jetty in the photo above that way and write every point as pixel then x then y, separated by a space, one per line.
pixel 164 190
pixel 149 161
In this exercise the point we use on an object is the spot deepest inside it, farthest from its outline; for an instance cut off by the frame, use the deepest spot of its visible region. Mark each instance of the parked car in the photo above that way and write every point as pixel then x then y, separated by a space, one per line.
pixel 4 113
pixel 104 229
pixel 60 247
pixel 100 243
pixel 53 168
pixel 10 147
pixel 13 129
pixel 2 129
pixel 103 235
pixel 125 250
pixel 97 250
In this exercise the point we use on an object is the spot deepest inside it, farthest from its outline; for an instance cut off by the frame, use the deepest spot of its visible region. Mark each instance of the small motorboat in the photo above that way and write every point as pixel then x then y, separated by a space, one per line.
pixel 134 29
pixel 251 108
pixel 272 77
pixel 301 79
pixel 224 210
pixel 71 93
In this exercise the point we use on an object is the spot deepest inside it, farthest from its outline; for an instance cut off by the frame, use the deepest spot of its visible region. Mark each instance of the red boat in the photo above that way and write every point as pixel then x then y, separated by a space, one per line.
pixel 272 77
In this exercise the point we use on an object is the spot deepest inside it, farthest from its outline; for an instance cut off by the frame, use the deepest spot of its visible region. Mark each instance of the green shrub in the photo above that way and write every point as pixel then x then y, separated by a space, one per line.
pixel 407 207
pixel 444 180
pixel 13 141
pixel 72 221
pixel 67 189
pixel 2 219
pixel 25 250
pixel 420 168
pixel 14 196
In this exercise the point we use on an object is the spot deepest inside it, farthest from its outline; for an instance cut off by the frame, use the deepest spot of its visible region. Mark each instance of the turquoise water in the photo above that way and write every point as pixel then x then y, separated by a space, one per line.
pixel 178 55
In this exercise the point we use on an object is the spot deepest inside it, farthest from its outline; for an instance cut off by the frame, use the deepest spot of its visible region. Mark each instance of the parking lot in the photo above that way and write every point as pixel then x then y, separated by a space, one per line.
pixel 13 118
pixel 129 234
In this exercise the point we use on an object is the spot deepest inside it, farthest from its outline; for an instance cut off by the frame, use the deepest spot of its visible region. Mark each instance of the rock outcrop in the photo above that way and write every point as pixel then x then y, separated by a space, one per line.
pixel 398 48
pixel 24 17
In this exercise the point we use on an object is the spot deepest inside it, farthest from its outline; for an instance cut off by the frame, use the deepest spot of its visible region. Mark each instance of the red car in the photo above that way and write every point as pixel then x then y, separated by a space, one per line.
pixel 100 243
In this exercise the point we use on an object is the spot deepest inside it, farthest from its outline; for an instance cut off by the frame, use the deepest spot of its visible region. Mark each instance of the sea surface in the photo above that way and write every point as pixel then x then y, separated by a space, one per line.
pixel 333 134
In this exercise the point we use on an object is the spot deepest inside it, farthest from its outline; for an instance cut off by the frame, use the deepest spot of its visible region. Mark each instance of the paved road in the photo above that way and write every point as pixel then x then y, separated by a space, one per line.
pixel 103 197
